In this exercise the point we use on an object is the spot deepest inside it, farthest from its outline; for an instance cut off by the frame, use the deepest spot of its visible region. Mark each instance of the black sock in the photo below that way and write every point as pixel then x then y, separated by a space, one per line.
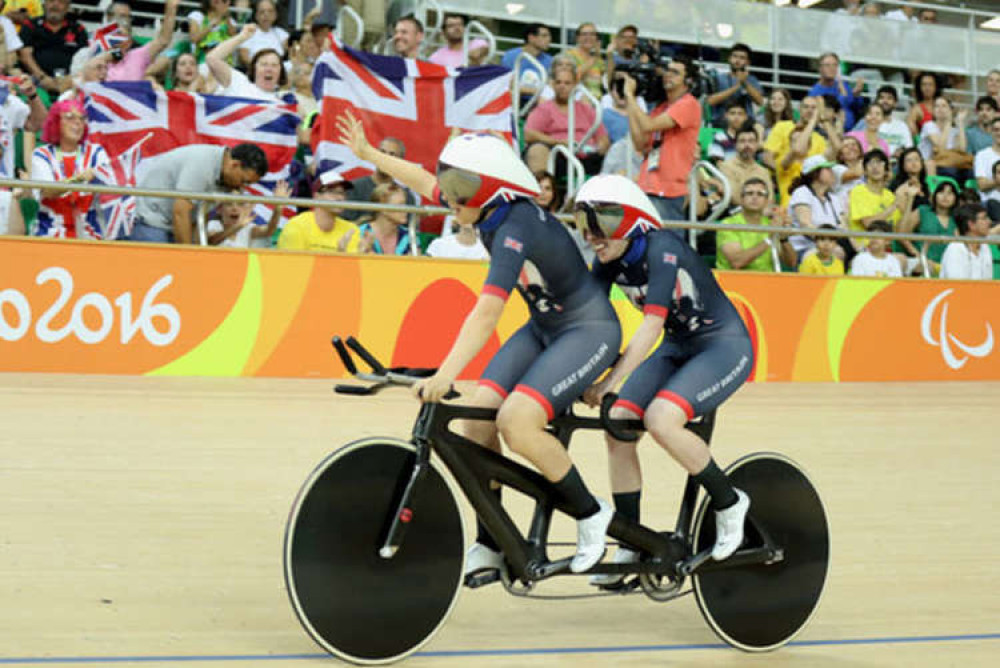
pixel 717 485
pixel 483 534
pixel 581 502
pixel 627 504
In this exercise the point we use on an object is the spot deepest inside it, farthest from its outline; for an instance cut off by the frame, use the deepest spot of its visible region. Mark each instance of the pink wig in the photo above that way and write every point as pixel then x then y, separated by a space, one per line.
pixel 51 130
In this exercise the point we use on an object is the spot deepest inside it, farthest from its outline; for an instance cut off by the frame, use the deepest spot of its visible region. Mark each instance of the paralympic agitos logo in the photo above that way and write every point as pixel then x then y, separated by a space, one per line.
pixel 935 319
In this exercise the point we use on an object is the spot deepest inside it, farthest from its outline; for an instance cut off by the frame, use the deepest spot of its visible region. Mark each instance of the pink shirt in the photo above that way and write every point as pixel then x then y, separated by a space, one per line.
pixel 132 67
pixel 865 146
pixel 449 58
pixel 548 119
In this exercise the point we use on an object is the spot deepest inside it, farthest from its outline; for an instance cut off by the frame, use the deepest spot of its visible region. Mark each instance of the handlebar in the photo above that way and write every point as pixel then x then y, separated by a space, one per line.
pixel 612 426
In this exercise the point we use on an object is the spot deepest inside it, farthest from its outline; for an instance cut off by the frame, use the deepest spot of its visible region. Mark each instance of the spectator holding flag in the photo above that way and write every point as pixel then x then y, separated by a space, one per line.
pixel 68 157
pixel 267 73
pixel 128 60
pixel 408 37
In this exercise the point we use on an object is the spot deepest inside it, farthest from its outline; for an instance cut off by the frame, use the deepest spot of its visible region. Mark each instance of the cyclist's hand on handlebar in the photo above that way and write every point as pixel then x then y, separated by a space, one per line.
pixel 432 389
pixel 592 395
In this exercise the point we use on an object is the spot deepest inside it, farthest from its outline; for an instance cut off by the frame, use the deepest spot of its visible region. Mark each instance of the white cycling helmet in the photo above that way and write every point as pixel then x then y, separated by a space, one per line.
pixel 611 206
pixel 476 169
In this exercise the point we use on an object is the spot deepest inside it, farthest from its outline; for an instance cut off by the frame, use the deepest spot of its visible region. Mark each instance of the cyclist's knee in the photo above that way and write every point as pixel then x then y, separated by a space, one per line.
pixel 519 420
pixel 664 421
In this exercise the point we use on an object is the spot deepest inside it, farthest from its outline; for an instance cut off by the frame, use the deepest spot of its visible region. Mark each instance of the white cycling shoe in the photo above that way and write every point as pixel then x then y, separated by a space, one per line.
pixel 729 527
pixel 479 559
pixel 590 532
pixel 622 556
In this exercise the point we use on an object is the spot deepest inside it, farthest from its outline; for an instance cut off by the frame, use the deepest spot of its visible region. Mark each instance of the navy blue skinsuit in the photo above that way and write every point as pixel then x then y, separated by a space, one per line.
pixel 573 334
pixel 706 352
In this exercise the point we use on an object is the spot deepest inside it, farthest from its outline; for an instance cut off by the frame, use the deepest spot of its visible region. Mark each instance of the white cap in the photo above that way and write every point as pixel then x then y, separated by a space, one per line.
pixel 332 177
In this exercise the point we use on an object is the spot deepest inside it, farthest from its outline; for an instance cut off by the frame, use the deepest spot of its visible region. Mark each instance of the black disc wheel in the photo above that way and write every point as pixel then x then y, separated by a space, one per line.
pixel 357 605
pixel 761 607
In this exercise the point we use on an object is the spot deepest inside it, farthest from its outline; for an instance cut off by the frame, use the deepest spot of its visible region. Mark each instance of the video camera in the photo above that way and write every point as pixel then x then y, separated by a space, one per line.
pixel 644 61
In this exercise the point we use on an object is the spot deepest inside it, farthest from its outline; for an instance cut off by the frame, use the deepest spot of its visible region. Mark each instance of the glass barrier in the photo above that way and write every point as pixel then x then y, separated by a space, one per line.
pixel 792 31
pixel 525 11
pixel 986 45
pixel 863 40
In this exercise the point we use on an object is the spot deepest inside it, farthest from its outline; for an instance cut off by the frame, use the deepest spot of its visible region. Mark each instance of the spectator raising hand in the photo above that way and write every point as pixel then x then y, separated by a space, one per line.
pixel 267 73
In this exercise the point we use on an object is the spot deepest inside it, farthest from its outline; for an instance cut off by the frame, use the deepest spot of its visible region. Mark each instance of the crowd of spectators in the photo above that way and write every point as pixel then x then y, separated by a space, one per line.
pixel 846 156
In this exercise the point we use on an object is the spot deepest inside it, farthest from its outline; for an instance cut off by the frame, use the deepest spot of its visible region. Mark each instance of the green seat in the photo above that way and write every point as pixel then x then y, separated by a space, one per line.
pixel 972 184
pixel 996 260
pixel 705 137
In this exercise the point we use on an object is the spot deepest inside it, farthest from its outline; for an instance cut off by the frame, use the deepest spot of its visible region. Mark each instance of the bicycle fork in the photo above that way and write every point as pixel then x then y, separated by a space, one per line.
pixel 404 509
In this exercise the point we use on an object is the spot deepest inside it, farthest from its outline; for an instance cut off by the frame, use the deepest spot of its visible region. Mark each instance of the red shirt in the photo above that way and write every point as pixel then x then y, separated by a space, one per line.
pixel 671 153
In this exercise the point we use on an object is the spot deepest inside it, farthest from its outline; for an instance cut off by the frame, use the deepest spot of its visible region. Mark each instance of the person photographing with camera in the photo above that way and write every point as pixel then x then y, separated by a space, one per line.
pixel 667 136
pixel 736 85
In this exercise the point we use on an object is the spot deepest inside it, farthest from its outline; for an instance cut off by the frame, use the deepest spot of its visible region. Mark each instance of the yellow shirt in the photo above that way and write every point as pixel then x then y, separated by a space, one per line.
pixel 33 7
pixel 302 233
pixel 779 143
pixel 865 203
pixel 813 265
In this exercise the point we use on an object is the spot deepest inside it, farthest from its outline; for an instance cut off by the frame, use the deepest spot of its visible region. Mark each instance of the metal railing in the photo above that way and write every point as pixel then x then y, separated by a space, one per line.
pixel 491 41
pixel 347 12
pixel 437 210
pixel 520 110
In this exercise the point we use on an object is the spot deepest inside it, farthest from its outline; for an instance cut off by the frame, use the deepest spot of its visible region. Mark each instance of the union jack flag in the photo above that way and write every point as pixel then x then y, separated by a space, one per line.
pixel 415 101
pixel 122 113
pixel 107 38
pixel 118 211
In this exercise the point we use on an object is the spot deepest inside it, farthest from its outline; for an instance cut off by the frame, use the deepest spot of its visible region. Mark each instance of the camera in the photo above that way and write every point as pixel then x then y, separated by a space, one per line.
pixel 117 55
pixel 649 82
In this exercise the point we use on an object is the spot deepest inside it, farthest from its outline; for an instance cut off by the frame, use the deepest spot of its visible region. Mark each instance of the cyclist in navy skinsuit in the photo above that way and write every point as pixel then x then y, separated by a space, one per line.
pixel 705 355
pixel 572 336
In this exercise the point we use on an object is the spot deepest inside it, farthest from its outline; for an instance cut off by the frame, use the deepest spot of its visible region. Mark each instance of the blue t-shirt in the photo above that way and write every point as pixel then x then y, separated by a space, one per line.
pixel 615 122
pixel 724 81
pixel 530 76
pixel 852 105
pixel 661 274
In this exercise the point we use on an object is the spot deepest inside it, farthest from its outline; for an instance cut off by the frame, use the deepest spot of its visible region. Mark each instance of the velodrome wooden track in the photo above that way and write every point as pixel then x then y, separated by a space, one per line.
pixel 141 522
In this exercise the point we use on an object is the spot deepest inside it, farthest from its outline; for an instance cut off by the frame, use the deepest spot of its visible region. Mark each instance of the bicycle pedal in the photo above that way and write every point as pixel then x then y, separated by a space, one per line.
pixel 482 578
pixel 622 586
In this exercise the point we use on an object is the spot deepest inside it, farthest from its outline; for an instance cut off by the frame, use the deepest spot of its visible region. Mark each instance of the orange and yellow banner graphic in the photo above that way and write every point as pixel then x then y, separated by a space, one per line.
pixel 76 307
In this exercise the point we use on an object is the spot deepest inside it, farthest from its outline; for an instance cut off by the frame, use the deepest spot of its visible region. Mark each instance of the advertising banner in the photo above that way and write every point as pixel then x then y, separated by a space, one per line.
pixel 101 308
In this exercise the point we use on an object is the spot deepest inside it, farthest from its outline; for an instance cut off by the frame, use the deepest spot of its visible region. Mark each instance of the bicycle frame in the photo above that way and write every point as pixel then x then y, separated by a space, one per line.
pixel 474 467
